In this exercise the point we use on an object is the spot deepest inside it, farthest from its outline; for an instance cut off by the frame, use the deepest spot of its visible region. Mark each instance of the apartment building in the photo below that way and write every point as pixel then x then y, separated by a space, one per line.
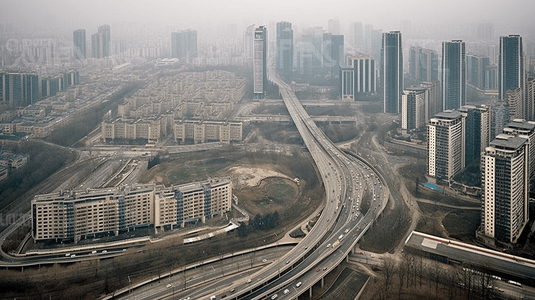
pixel 78 214
pixel 203 131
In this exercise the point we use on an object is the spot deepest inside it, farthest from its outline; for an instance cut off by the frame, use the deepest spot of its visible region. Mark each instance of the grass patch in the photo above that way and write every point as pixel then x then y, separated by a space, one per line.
pixel 180 175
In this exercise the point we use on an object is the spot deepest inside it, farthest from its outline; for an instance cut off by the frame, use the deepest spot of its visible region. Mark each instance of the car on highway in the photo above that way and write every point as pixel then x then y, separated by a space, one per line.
pixel 286 291
pixel 169 286
pixel 298 284
pixel 264 260
pixel 318 269
pixel 274 297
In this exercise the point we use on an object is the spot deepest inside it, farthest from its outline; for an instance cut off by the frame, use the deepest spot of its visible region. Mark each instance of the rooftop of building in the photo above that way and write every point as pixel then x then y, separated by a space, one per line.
pixel 448 114
pixel 505 141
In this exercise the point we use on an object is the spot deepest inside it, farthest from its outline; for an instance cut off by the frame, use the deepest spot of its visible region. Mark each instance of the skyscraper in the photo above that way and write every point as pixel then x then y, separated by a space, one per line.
pixel 476 131
pixel 101 42
pixel 260 62
pixel 445 149
pixel 511 73
pixel 337 52
pixel 95 45
pixel 79 49
pixel 184 45
pixel 453 74
pixel 347 84
pixel 392 71
pixel 356 37
pixel 285 48
pixel 504 189
pixel 105 40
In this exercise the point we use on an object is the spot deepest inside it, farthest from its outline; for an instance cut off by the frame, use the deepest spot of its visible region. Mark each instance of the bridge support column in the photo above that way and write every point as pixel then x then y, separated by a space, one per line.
pixel 347 258
pixel 310 292
pixel 322 281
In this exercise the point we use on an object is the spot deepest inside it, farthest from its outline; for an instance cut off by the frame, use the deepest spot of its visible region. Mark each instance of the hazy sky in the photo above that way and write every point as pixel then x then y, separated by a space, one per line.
pixel 383 13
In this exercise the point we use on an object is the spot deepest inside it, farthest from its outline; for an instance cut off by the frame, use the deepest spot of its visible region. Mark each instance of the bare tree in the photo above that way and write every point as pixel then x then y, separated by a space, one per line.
pixel 389 270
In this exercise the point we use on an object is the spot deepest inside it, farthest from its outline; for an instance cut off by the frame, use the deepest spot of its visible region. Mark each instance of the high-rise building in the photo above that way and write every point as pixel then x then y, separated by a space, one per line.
pixel 453 74
pixel 101 42
pixel 285 48
pixel 95 45
pixel 334 26
pixel 105 40
pixel 504 189
pixel 337 53
pixel 476 131
pixel 79 49
pixel 499 118
pixel 445 145
pixel 476 69
pixel 364 74
pixel 347 84
pixel 18 89
pixel 356 37
pixel 423 64
pixel 511 73
pixel 392 71
pixel 434 103
pixel 260 62
pixel 184 45
pixel 413 102
pixel 525 129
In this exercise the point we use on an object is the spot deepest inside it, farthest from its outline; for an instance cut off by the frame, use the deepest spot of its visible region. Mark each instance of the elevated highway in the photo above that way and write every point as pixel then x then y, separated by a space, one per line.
pixel 347 182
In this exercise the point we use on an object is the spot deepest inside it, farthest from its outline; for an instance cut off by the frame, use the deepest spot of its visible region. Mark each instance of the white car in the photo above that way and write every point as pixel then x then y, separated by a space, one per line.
pixel 274 297
pixel 286 291
pixel 168 286
pixel 298 284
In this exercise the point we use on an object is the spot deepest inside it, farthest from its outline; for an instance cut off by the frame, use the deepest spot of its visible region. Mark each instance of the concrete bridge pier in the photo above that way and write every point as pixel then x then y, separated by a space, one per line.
pixel 310 292
pixel 322 281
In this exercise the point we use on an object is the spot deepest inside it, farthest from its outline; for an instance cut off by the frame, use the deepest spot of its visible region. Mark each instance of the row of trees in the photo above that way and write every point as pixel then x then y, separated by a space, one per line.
pixel 413 275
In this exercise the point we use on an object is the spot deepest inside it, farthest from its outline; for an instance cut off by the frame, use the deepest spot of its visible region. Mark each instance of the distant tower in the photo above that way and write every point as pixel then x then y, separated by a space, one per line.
pixel 334 26
pixel 511 69
pixel 392 71
pixel 504 189
pixel 79 49
pixel 453 74
pixel 184 45
pixel 285 48
pixel 101 42
pixel 260 62
pixel 95 45
pixel 105 40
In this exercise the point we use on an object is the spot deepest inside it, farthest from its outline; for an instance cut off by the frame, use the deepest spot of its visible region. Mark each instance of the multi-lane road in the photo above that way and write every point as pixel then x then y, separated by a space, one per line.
pixel 341 224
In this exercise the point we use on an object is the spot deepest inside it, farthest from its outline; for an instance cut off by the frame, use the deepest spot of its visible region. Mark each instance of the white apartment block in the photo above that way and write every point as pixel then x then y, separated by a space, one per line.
pixel 504 181
pixel 445 149
pixel 78 214
pixel 413 104
pixel 204 131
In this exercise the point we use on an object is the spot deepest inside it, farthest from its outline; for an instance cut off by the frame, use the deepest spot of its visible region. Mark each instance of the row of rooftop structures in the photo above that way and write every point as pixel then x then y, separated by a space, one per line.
pixel 10 161
pixel 78 214
pixel 456 138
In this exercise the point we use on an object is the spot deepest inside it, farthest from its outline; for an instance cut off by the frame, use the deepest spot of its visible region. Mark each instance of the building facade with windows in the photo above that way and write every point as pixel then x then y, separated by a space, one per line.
pixel 445 149
pixel 504 183
pixel 78 214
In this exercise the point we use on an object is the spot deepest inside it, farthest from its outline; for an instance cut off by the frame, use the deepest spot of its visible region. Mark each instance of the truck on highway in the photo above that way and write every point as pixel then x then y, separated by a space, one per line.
pixel 336 243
